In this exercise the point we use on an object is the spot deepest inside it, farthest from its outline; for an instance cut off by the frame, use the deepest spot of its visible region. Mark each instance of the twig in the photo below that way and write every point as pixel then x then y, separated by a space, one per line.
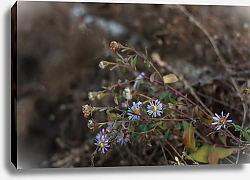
pixel 162 148
pixel 161 63
pixel 176 152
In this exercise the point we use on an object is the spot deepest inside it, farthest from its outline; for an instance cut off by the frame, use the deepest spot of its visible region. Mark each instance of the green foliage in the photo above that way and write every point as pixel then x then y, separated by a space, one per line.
pixel 166 135
pixel 244 132
pixel 166 96
pixel 210 154
pixel 208 121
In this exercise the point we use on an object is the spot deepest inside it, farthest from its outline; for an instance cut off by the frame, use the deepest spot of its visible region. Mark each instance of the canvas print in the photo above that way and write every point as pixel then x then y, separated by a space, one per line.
pixel 126 84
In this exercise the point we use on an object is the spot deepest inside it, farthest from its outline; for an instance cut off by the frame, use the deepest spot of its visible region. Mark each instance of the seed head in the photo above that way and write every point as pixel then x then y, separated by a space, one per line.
pixel 114 46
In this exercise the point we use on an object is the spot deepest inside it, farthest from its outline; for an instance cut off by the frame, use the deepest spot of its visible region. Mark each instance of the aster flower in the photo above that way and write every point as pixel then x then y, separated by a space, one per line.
pixel 134 111
pixel 221 120
pixel 101 141
pixel 122 138
pixel 154 108
pixel 101 135
pixel 138 78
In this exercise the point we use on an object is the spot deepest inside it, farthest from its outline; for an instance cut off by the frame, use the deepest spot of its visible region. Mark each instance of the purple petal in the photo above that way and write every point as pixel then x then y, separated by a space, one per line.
pixel 151 103
pixel 218 127
pixel 216 118
pixel 217 115
pixel 214 123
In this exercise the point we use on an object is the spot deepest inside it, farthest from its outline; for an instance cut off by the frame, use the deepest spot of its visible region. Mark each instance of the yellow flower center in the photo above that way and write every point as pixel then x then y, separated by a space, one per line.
pixel 154 108
pixel 123 135
pixel 101 145
pixel 136 111
pixel 222 120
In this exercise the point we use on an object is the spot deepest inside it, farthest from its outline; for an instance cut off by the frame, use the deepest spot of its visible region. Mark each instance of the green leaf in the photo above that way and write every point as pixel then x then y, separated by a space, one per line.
pixel 120 98
pixel 223 138
pixel 151 125
pixel 163 95
pixel 146 64
pixel 169 99
pixel 210 154
pixel 166 135
pixel 119 61
pixel 133 62
pixel 246 136
pixel 177 126
pixel 111 116
pixel 124 70
pixel 201 154
pixel 154 124
pixel 213 158
pixel 188 138
pixel 202 118
pixel 217 153
pixel 144 128
pixel 145 58
pixel 166 95
pixel 237 128
pixel 135 138
pixel 163 126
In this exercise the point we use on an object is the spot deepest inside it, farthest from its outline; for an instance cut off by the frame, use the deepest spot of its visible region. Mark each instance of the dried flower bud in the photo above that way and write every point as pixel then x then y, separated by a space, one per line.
pixel 124 104
pixel 100 95
pixel 96 95
pixel 91 124
pixel 127 94
pixel 170 105
pixel 103 64
pixel 114 46
pixel 87 110
pixel 91 96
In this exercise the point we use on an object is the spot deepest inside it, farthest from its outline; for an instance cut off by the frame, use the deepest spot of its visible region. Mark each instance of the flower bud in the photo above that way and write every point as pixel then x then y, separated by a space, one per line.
pixel 127 94
pixel 114 46
pixel 103 64
pixel 91 124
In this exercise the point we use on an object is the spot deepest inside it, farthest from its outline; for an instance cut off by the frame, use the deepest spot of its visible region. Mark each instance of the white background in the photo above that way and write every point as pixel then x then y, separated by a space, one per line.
pixel 8 171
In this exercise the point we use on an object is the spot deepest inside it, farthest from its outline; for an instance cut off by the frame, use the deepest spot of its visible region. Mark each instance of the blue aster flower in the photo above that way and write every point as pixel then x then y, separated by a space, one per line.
pixel 221 120
pixel 134 111
pixel 122 138
pixel 101 141
pixel 154 108
pixel 101 135
pixel 138 79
